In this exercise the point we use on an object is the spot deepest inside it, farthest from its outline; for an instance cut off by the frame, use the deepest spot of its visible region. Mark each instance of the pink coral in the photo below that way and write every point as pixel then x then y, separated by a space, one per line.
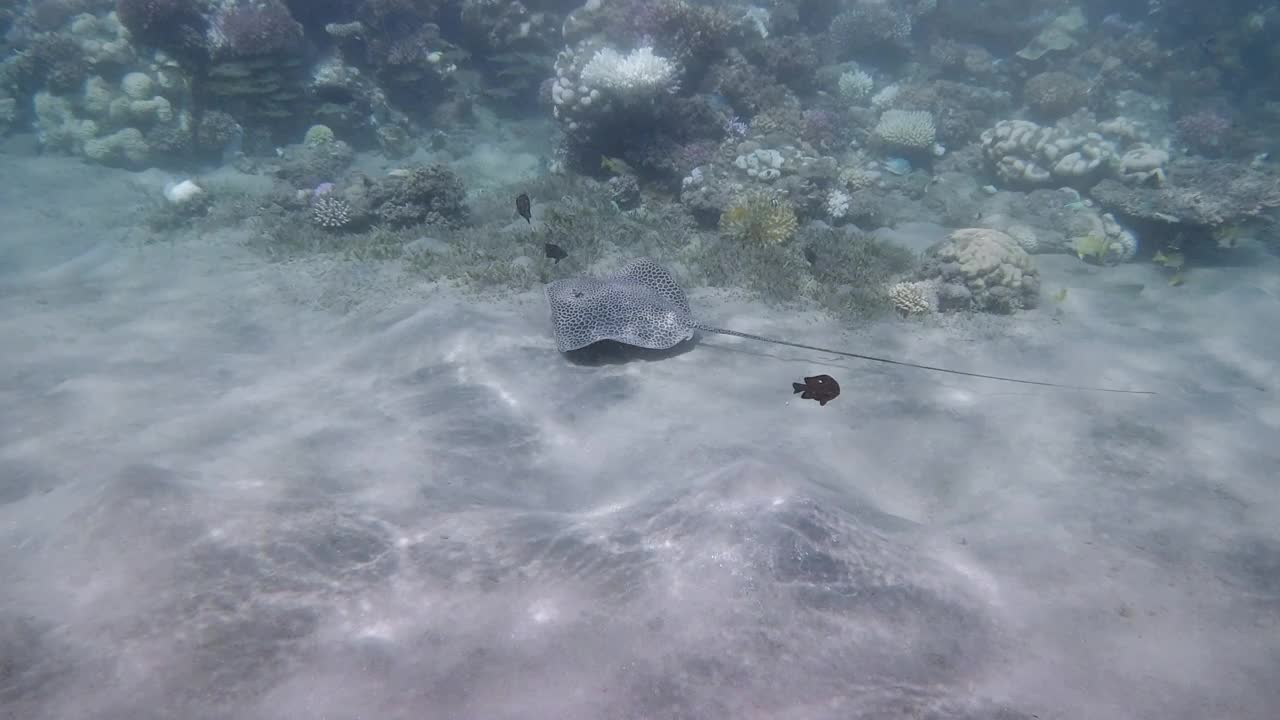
pixel 818 127
pixel 1205 131
pixel 691 155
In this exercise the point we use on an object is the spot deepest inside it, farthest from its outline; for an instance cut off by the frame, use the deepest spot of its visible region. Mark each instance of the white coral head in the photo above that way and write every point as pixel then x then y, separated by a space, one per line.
pixel 637 74
pixel 330 212
pixel 913 298
pixel 181 193
pixel 855 85
pixel 838 204
pixel 908 129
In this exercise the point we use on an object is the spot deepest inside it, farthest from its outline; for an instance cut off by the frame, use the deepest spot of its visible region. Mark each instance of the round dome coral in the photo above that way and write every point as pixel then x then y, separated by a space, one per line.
pixel 984 270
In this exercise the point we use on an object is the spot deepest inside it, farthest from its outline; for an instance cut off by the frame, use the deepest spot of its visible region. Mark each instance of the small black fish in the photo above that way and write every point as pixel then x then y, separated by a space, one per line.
pixel 522 207
pixel 822 388
pixel 555 252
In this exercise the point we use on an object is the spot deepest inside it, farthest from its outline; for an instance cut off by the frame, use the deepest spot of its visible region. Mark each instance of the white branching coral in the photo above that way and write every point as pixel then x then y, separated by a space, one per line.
pixel 330 212
pixel 838 204
pixel 855 85
pixel 637 74
pixel 913 298
pixel 907 129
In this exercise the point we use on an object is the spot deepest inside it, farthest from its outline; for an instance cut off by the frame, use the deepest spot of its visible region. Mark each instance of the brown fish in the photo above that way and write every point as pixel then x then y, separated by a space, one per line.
pixel 822 388
pixel 522 207
pixel 555 252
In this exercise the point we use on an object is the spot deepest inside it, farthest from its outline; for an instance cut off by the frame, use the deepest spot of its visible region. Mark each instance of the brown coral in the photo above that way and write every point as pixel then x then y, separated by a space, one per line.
pixel 421 195
pixel 1054 94
pixel 690 32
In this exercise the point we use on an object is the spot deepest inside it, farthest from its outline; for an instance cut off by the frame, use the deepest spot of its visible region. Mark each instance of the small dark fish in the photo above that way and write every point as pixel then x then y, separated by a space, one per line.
pixel 822 388
pixel 555 252
pixel 522 207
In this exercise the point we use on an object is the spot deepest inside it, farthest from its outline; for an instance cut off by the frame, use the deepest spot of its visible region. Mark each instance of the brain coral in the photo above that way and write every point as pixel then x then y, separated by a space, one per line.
pixel 1023 153
pixel 984 270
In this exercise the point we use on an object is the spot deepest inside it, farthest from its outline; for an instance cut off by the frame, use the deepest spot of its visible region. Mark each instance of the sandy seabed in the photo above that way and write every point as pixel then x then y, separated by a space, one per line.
pixel 239 489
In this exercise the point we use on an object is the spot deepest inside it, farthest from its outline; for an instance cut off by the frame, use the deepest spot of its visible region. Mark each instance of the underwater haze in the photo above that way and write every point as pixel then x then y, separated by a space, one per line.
pixel 286 430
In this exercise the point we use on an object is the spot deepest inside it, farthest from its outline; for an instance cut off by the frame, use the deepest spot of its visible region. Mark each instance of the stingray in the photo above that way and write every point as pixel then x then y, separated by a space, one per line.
pixel 642 305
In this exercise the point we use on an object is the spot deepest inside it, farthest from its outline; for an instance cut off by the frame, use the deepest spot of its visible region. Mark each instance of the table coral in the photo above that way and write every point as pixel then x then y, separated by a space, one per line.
pixel 1198 192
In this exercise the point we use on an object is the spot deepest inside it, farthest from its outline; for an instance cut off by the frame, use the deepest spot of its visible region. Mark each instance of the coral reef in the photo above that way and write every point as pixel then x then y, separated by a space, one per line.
pixel 779 129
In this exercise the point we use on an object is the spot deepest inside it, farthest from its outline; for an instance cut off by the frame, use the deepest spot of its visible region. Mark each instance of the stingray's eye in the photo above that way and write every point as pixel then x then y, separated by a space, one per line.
pixel 577 293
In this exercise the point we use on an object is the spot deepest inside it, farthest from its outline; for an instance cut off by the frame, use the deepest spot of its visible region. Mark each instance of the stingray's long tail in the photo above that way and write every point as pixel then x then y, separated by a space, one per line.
pixel 749 336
